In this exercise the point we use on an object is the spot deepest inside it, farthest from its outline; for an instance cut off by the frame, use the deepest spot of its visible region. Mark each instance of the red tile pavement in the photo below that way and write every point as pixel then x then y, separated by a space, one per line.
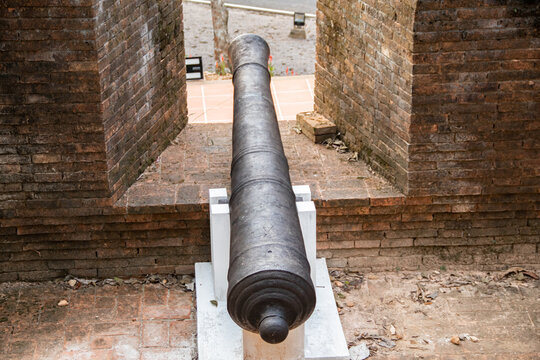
pixel 212 101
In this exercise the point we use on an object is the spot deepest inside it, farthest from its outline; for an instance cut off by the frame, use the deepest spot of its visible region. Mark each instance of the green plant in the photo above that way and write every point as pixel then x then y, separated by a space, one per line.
pixel 271 68
pixel 221 67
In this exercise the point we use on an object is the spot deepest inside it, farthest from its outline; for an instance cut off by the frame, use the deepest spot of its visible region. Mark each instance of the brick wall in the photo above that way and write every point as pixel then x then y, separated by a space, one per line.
pixel 141 68
pixel 399 233
pixel 70 138
pixel 443 99
pixel 364 78
pixel 85 238
pixel 475 127
pixel 90 92
pixel 411 233
pixel 51 135
pixel 440 96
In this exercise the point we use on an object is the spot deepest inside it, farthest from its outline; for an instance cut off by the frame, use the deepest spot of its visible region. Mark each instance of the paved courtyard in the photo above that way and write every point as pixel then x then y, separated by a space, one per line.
pixel 200 157
pixel 398 315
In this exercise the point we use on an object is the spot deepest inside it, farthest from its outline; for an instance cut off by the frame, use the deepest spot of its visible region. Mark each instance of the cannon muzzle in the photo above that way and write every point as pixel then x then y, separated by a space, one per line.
pixel 270 288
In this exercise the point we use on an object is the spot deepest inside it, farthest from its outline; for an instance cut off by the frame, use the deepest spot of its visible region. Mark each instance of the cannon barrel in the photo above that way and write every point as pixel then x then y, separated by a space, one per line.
pixel 270 289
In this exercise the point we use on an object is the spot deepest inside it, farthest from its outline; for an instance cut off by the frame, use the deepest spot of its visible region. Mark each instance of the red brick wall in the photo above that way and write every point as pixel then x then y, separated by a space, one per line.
pixel 84 238
pixel 90 93
pixel 469 129
pixel 141 68
pixel 87 238
pixel 475 127
pixel 62 151
pixel 364 78
pixel 410 233
pixel 440 96
pixel 51 135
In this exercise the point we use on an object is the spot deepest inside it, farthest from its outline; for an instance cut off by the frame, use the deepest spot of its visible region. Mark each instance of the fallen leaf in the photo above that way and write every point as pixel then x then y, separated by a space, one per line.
pixel 386 343
pixel 531 274
pixel 63 303
pixel 353 157
pixel 512 270
pixel 190 286
pixel 214 302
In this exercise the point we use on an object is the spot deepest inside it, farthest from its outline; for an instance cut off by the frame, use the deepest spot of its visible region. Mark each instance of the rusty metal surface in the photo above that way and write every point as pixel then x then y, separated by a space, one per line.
pixel 270 289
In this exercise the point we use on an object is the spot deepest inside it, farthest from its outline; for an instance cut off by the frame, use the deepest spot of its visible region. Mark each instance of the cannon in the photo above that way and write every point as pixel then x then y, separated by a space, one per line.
pixel 270 289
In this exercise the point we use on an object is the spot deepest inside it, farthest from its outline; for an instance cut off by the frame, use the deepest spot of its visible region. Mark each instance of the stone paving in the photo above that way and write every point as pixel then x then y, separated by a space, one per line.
pixel 399 315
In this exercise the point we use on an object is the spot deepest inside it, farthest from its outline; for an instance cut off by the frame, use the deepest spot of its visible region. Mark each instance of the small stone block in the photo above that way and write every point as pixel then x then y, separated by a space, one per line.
pixel 315 126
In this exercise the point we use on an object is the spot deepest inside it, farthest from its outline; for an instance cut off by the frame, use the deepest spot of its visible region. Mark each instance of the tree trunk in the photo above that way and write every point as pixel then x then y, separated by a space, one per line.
pixel 220 21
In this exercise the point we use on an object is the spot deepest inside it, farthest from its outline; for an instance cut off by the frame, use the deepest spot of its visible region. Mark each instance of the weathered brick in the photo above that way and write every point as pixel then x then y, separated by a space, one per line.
pixel 453 124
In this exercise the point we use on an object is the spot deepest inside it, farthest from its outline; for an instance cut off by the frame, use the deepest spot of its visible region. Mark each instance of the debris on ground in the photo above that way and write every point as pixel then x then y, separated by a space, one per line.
pixel 63 302
pixel 474 339
pixel 336 143
pixel 168 280
pixel 396 312
pixel 387 343
pixel 359 352
pixel 519 272
pixel 215 76
pixel 354 157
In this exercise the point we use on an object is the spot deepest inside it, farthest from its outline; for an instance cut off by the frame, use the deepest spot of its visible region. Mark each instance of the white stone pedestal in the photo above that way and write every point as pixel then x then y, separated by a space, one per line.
pixel 218 337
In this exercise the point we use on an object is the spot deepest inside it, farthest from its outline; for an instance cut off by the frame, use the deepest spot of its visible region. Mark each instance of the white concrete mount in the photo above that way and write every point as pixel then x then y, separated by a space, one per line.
pixel 220 338
pixel 220 234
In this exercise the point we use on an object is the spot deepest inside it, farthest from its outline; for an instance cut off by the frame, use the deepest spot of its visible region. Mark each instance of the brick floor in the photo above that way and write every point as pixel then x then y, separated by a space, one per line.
pixel 151 322
pixel 111 322
pixel 199 158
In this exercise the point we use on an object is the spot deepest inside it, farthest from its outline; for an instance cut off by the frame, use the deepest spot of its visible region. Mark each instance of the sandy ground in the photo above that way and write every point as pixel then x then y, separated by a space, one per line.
pixel 296 54
pixel 441 314
pixel 396 315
